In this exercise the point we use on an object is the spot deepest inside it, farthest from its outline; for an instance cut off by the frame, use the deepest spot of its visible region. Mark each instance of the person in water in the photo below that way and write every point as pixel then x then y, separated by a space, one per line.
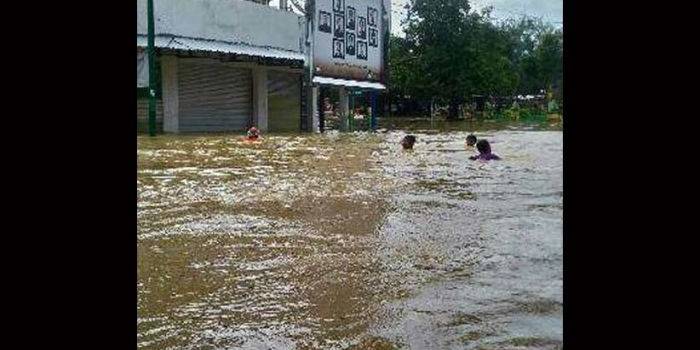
pixel 253 134
pixel 484 149
pixel 408 142
pixel 471 140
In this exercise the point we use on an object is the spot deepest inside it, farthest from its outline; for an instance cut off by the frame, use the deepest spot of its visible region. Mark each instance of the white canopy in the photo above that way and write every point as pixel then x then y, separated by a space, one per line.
pixel 349 83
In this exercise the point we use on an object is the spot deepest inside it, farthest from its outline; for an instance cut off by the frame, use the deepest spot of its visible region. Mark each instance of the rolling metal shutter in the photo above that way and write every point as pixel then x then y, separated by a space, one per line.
pixel 142 115
pixel 214 96
pixel 284 101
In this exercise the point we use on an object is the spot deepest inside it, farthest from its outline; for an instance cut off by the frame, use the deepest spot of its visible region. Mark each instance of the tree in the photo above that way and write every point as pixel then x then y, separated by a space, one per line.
pixel 436 29
pixel 536 52
pixel 459 52
pixel 549 57
pixel 402 61
pixel 493 72
pixel 451 53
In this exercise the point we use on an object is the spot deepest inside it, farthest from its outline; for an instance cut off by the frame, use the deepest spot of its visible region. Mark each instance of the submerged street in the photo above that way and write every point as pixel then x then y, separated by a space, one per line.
pixel 345 241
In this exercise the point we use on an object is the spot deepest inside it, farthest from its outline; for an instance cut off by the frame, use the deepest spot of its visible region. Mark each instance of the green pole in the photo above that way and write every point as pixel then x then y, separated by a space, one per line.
pixel 151 73
pixel 351 109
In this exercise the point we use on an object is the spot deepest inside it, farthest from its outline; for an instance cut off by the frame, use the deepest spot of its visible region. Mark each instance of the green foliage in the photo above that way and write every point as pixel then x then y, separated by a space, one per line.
pixel 451 52
pixel 536 53
pixel 400 61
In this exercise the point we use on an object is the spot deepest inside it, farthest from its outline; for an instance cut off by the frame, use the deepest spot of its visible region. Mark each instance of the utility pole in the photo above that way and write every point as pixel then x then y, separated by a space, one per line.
pixel 151 72
pixel 310 10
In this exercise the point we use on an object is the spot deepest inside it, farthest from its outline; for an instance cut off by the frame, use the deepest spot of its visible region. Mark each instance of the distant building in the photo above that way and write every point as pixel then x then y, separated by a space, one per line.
pixel 222 65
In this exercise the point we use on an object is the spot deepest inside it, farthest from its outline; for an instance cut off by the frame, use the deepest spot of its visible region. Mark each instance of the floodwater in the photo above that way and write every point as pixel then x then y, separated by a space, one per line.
pixel 345 241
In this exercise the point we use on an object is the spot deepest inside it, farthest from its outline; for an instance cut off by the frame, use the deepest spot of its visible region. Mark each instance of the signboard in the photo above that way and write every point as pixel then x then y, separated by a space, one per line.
pixel 349 39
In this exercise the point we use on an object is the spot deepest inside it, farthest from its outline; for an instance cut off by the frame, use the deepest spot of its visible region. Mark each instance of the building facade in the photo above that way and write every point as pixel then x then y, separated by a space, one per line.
pixel 222 66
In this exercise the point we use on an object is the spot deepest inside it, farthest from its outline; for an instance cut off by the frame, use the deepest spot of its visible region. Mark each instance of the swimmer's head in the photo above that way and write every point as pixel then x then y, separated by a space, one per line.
pixel 483 147
pixel 471 140
pixel 408 142
pixel 253 133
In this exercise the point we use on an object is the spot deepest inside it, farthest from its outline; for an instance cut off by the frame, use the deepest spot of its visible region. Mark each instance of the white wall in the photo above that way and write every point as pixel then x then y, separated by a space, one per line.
pixel 141 68
pixel 227 20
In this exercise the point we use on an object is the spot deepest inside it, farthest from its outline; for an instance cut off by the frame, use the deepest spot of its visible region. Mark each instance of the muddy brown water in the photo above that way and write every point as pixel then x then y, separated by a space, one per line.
pixel 345 241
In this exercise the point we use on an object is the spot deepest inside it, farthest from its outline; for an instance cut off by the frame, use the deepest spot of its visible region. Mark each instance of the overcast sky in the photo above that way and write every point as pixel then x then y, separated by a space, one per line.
pixel 550 10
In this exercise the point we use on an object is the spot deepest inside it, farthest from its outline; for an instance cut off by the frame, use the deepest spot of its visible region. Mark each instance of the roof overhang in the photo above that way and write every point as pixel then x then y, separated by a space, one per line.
pixel 182 44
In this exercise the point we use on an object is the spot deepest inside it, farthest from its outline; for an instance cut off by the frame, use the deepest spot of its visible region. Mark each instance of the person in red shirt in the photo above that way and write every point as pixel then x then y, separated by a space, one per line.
pixel 253 134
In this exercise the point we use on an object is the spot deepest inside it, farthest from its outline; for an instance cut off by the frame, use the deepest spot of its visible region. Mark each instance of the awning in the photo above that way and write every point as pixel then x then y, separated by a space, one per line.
pixel 192 44
pixel 349 83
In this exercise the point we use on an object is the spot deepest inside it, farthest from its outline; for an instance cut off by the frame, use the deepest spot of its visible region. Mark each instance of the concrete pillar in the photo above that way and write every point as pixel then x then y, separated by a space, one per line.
pixel 171 94
pixel 315 120
pixel 344 106
pixel 260 98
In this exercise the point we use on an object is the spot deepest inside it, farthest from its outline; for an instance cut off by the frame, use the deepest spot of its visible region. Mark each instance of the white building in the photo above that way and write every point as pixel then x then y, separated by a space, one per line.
pixel 223 65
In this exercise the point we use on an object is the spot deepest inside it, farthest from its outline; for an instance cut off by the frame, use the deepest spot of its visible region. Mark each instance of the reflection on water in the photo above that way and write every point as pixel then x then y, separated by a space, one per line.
pixel 344 241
